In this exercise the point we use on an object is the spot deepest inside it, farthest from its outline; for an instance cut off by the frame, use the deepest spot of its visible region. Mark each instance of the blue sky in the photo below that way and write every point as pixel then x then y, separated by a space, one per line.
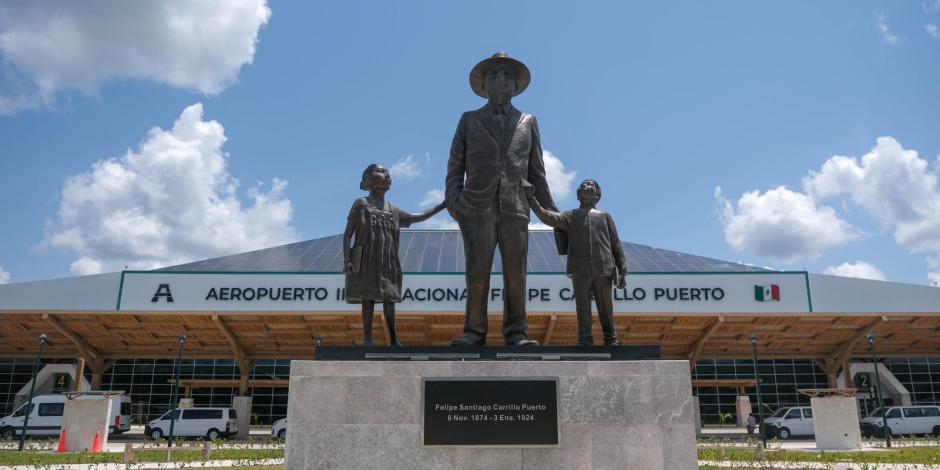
pixel 818 121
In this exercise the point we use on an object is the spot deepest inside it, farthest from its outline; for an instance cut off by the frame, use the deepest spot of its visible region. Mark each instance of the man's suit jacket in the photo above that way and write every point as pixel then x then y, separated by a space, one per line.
pixel 488 165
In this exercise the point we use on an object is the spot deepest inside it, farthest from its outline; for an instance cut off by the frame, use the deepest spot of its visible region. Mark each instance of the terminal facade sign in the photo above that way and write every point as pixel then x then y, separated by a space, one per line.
pixel 445 292
pixel 490 412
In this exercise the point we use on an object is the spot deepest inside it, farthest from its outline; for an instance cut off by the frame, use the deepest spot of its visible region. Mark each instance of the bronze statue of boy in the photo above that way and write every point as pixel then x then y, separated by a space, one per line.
pixel 595 258
pixel 370 250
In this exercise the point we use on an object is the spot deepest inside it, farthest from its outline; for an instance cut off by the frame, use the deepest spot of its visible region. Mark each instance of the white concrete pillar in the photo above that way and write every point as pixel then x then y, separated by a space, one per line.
pixel 742 404
pixel 835 422
pixel 187 403
pixel 242 406
pixel 83 422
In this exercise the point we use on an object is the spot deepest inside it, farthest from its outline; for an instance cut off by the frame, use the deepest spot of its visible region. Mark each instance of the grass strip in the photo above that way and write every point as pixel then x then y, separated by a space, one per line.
pixel 8 458
pixel 910 455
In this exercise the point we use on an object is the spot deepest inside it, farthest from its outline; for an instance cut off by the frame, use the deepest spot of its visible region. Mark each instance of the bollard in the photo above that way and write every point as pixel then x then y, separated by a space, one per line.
pixel 207 450
pixel 128 452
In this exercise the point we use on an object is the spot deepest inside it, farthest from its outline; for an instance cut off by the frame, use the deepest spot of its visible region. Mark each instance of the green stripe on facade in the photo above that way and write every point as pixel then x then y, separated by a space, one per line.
pixel 120 291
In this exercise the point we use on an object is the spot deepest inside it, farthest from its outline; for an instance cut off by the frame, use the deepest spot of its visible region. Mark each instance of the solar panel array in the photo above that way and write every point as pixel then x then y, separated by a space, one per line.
pixel 441 251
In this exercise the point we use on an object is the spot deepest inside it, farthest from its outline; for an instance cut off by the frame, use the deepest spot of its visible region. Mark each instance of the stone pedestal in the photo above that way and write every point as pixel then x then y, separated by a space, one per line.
pixel 742 407
pixel 612 414
pixel 242 407
pixel 835 421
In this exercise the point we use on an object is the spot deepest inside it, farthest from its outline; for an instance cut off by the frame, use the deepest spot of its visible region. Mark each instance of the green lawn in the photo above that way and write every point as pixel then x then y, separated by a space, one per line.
pixel 911 455
pixel 44 458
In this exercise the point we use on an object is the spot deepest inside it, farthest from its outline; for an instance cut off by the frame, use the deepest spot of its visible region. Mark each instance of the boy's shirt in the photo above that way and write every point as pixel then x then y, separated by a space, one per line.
pixel 593 245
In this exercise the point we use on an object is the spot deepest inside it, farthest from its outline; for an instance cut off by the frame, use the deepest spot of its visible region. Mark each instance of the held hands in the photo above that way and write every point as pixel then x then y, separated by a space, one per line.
pixel 621 280
pixel 349 268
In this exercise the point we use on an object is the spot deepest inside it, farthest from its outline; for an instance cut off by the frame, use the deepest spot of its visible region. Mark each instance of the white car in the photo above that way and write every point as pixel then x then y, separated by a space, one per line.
pixel 790 421
pixel 211 423
pixel 903 420
pixel 279 429
pixel 45 417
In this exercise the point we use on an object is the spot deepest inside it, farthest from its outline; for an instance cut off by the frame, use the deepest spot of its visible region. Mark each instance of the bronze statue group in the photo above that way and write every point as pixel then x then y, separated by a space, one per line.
pixel 495 176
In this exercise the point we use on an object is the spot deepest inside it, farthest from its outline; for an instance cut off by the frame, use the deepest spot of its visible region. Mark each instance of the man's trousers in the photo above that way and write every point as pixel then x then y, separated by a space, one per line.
pixel 482 232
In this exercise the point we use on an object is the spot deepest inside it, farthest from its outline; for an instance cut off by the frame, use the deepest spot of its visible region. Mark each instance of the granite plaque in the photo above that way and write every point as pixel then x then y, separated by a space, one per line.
pixel 490 412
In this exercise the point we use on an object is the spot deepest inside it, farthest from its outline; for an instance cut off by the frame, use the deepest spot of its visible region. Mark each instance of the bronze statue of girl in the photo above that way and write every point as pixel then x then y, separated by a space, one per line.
pixel 370 250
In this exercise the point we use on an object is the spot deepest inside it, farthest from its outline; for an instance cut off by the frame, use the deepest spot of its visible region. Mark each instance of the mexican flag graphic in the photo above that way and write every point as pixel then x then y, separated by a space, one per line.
pixel 767 293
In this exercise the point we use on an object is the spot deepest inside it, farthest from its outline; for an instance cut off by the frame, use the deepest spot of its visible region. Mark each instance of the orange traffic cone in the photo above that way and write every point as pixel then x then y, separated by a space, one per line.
pixel 96 445
pixel 61 441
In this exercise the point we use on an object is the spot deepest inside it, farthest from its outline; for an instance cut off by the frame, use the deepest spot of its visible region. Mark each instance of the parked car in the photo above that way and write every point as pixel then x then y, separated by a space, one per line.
pixel 45 416
pixel 902 420
pixel 211 423
pixel 279 429
pixel 790 421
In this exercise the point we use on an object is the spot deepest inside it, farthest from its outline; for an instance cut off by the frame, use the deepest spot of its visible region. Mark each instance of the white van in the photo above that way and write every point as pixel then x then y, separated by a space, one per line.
pixel 45 418
pixel 790 421
pixel 903 420
pixel 212 423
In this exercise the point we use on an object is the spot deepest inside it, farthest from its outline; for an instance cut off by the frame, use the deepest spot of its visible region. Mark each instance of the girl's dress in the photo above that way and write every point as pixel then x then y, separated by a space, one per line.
pixel 378 276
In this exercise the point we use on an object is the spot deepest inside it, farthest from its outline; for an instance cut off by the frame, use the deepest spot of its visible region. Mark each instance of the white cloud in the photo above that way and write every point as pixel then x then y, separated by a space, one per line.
pixel 534 224
pixel 887 36
pixel 408 168
pixel 560 181
pixel 65 45
pixel 859 269
pixel 932 30
pixel 432 198
pixel 4 276
pixel 893 185
pixel 169 201
pixel 933 262
pixel 781 224
pixel 931 7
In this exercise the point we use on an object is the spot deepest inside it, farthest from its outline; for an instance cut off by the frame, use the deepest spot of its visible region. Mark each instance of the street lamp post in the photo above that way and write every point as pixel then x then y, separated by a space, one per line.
pixel 761 428
pixel 881 405
pixel 176 387
pixel 32 389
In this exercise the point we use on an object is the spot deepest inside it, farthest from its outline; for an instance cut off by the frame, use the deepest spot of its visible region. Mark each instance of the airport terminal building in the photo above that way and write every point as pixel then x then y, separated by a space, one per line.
pixel 245 316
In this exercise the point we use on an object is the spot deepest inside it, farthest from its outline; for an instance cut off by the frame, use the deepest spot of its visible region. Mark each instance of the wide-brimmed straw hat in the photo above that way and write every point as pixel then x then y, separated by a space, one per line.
pixel 520 73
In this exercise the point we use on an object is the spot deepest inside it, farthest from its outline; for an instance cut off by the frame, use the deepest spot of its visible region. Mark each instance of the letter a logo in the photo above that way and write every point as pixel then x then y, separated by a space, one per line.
pixel 163 290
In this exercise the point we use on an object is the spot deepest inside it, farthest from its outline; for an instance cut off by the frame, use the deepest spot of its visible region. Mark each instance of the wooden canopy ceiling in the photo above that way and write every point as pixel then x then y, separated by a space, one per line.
pixel 101 337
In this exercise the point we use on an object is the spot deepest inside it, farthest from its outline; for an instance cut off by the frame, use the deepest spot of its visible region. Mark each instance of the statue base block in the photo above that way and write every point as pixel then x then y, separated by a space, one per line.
pixel 610 414
pixel 487 353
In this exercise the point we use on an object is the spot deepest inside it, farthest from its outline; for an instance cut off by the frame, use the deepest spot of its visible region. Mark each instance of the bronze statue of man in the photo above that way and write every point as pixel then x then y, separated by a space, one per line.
pixel 495 149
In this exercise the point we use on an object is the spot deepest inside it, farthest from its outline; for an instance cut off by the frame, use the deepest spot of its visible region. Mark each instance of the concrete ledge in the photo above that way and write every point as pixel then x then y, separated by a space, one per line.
pixel 613 414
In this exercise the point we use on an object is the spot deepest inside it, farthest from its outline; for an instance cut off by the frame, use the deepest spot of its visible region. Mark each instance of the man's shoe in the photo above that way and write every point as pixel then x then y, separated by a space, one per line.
pixel 523 342
pixel 614 342
pixel 585 342
pixel 465 341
